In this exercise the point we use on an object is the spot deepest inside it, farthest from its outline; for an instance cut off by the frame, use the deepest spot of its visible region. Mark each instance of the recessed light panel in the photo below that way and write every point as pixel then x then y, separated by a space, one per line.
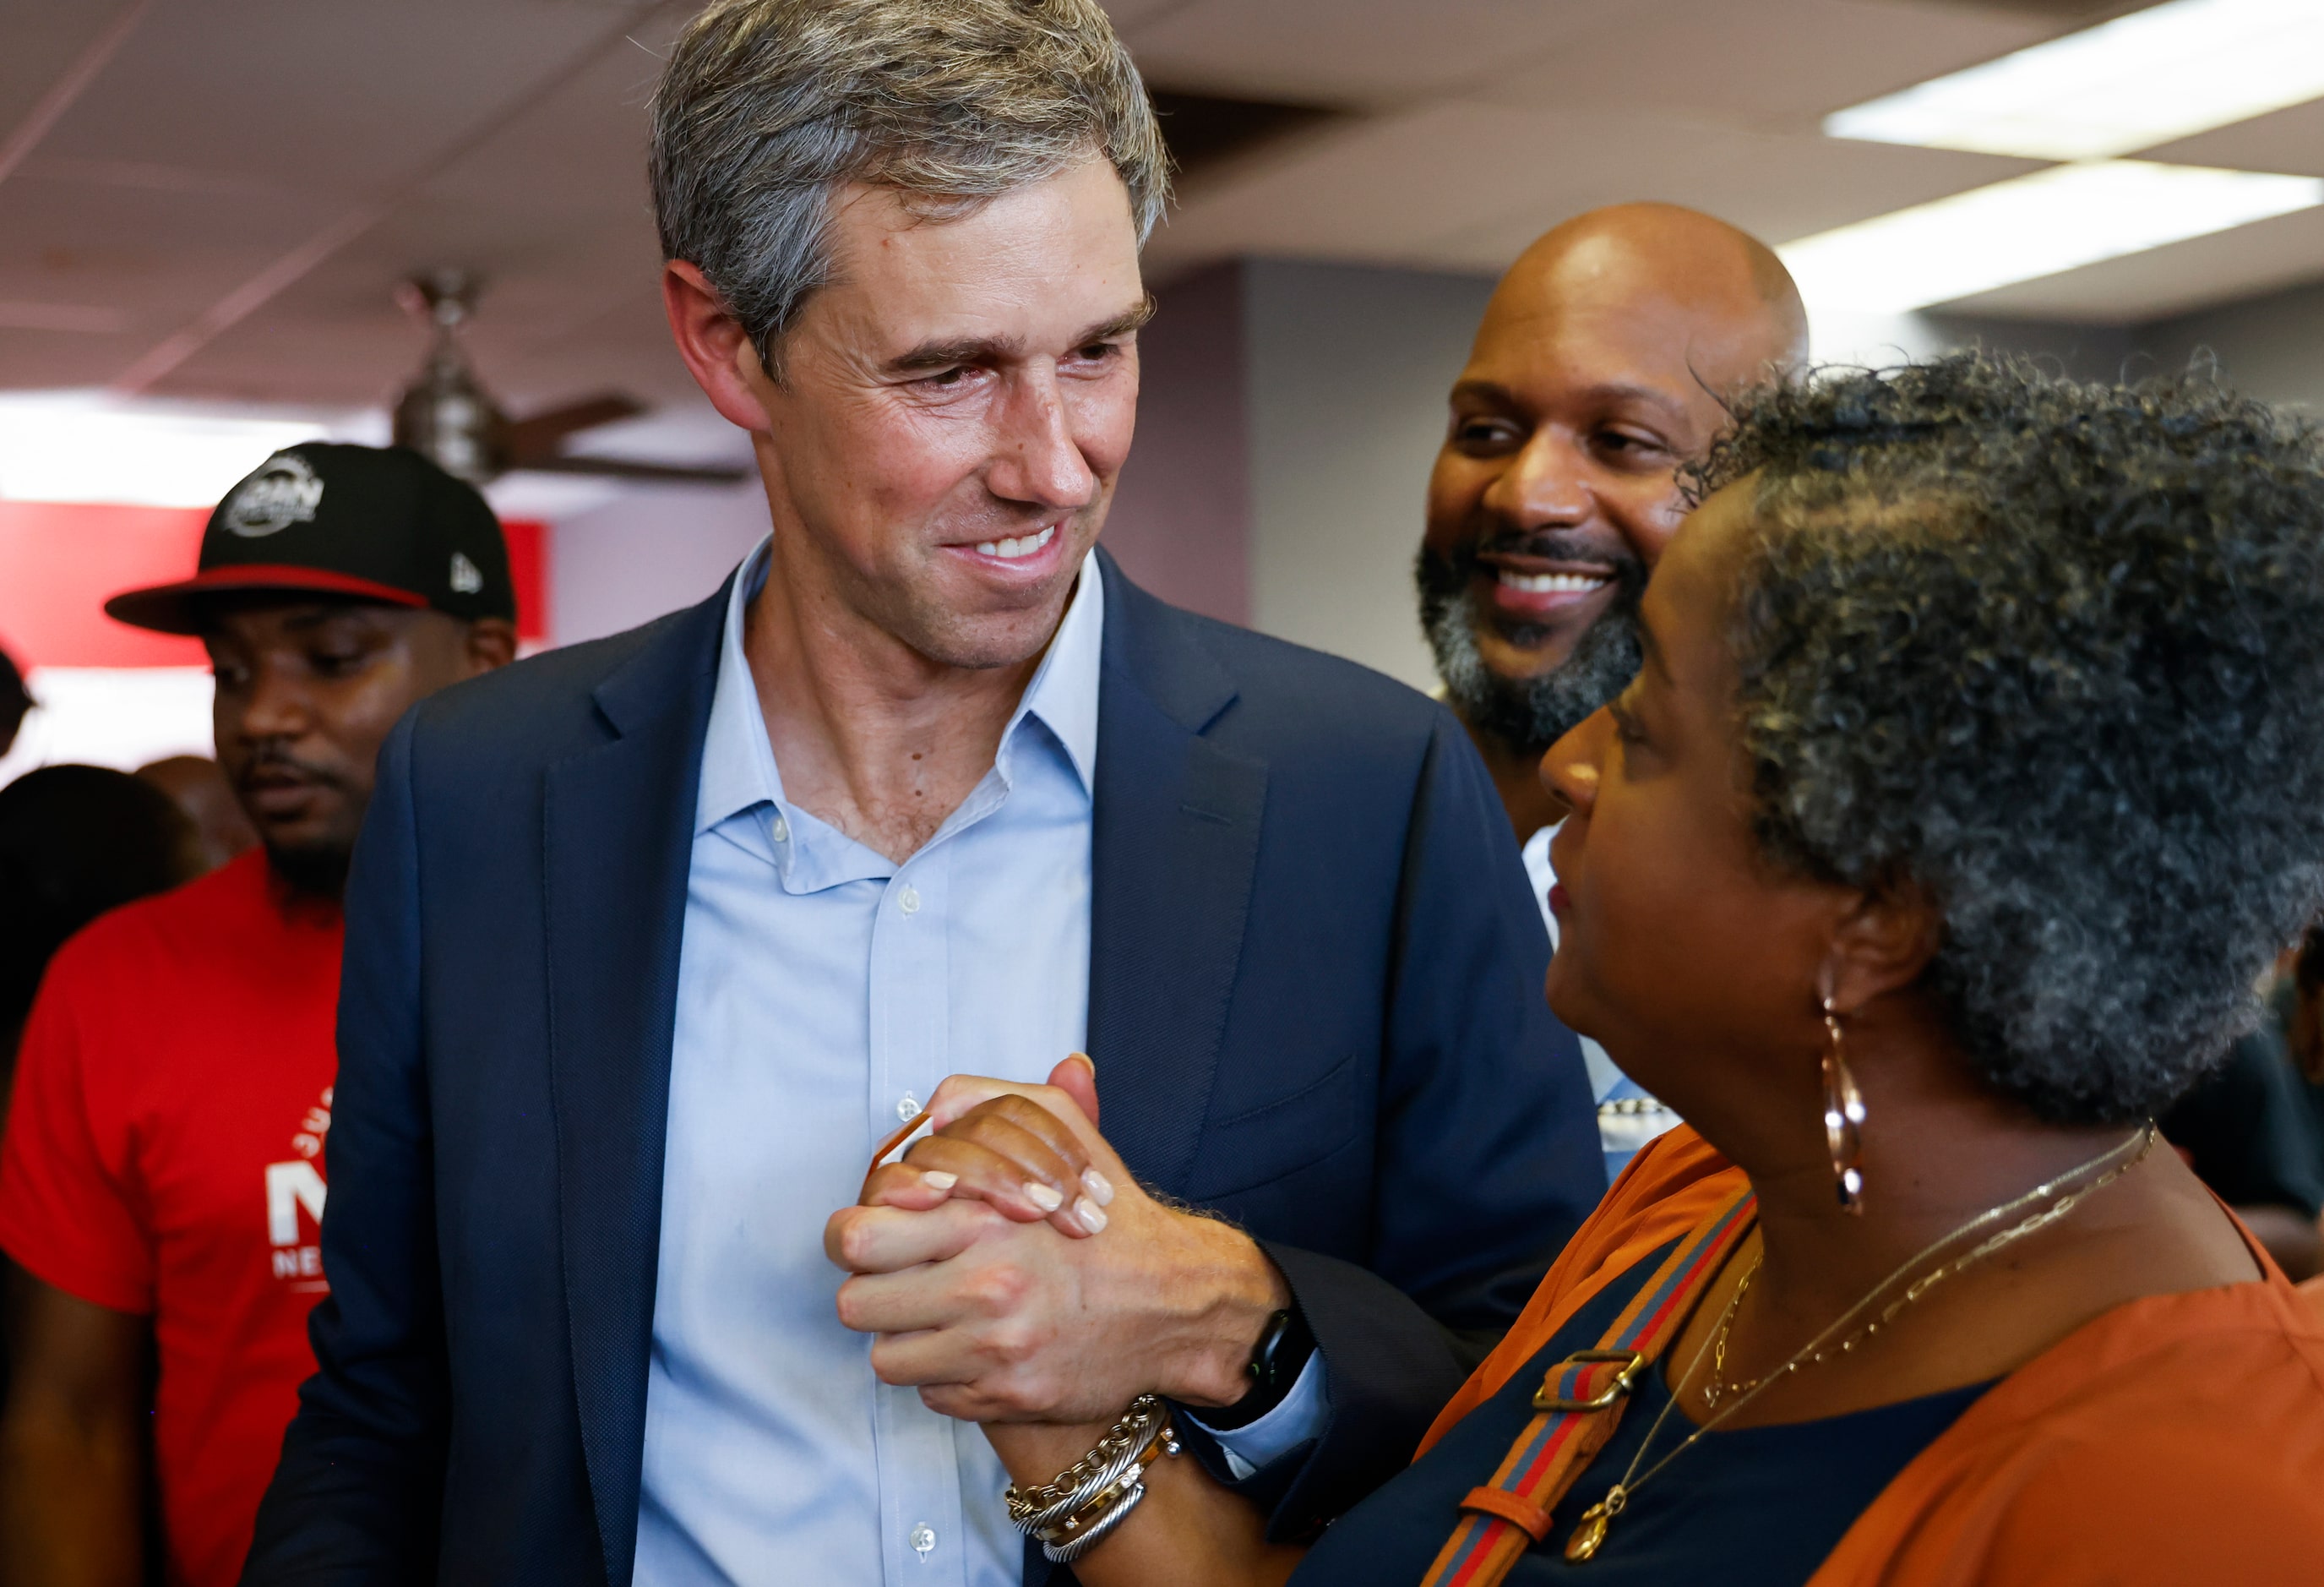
pixel 2142 80
pixel 2033 226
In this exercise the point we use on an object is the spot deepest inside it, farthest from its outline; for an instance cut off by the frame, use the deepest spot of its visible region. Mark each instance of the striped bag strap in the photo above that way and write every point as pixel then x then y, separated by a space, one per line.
pixel 1576 1410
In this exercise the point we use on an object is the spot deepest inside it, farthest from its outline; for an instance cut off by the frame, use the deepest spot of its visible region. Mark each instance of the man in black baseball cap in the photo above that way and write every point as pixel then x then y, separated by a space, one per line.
pixel 161 1181
pixel 337 585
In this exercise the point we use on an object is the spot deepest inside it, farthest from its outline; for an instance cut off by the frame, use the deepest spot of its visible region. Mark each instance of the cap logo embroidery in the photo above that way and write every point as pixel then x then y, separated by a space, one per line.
pixel 465 579
pixel 284 492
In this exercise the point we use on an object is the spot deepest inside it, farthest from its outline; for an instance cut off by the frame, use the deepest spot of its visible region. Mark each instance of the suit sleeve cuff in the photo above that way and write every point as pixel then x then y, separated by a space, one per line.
pixel 1297 1420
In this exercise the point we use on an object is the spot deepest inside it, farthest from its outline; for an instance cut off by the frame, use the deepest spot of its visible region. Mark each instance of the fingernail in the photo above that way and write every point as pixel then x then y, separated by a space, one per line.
pixel 1042 1196
pixel 1099 1187
pixel 1087 1211
pixel 937 1179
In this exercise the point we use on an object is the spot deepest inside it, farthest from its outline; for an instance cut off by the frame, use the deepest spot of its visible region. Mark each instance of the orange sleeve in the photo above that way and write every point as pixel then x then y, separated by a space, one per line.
pixel 2163 1504
pixel 68 1208
pixel 2176 1439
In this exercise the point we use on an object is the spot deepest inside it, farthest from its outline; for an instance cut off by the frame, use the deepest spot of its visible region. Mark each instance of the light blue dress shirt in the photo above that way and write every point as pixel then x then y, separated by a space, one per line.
pixel 823 990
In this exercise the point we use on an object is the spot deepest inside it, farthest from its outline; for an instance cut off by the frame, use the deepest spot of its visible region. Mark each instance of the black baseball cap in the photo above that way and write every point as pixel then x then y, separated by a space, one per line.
pixel 378 523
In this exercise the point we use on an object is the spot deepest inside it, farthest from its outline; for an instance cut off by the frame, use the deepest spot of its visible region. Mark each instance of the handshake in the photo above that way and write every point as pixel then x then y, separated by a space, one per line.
pixel 1014 1270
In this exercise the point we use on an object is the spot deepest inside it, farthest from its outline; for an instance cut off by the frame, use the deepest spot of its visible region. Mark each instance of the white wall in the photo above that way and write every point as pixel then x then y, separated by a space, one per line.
pixel 2270 347
pixel 650 550
pixel 1180 522
pixel 1348 374
pixel 124 717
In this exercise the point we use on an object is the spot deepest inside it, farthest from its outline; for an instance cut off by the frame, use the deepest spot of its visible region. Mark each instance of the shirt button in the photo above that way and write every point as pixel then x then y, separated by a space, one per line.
pixel 908 900
pixel 923 1539
pixel 782 830
pixel 907 1107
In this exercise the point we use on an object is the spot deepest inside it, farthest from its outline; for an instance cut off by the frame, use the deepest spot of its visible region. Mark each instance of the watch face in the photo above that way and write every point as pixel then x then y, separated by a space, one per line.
pixel 1267 1359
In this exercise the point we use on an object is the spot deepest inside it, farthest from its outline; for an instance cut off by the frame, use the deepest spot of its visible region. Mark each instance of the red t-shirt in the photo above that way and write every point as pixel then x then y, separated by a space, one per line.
pixel 164 1156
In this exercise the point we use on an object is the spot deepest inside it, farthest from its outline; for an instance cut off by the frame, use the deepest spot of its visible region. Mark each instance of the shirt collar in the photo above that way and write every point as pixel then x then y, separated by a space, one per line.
pixel 738 763
pixel 1064 692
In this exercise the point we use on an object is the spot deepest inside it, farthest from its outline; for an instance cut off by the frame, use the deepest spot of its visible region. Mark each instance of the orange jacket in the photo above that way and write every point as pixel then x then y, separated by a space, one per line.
pixel 2176 1439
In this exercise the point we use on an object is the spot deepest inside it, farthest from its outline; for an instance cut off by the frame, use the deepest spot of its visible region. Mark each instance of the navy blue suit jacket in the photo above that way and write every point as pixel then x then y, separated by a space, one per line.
pixel 1314 1003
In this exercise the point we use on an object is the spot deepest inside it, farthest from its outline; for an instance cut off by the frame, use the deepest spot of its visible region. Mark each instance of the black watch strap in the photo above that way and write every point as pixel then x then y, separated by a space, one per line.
pixel 1275 1362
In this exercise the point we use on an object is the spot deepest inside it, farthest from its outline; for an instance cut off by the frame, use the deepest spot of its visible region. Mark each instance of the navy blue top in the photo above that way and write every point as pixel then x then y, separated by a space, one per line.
pixel 1754 1507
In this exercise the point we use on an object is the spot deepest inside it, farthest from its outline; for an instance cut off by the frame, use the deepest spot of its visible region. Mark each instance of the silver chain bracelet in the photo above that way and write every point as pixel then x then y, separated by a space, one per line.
pixel 1074 1510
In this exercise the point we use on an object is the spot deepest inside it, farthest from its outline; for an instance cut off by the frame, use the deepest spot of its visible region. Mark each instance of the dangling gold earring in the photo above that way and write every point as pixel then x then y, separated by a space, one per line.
pixel 1843 1117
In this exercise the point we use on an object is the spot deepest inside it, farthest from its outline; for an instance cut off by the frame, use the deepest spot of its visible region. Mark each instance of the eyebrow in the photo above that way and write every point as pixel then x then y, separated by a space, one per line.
pixel 931 356
pixel 1604 393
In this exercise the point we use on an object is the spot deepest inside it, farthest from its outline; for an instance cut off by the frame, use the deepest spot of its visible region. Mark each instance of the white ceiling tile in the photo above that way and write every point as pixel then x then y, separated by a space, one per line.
pixel 1779 63
pixel 2289 140
pixel 1346 52
pixel 154 254
pixel 44 40
pixel 344 97
pixel 49 360
pixel 1372 192
pixel 1467 186
pixel 552 211
pixel 1777 187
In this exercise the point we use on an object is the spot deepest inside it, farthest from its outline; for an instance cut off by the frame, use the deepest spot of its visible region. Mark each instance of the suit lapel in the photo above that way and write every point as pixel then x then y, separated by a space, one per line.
pixel 618 823
pixel 1175 842
pixel 1173 849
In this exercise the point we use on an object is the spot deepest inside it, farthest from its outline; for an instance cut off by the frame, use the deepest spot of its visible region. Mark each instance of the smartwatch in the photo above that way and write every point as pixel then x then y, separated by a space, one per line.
pixel 1275 1362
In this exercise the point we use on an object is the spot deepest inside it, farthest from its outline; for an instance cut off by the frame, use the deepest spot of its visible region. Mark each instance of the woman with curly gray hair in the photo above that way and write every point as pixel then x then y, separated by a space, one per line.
pixel 1975 771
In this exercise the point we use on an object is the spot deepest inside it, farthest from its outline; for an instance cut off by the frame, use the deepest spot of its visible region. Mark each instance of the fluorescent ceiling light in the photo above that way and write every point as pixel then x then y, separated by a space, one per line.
pixel 2032 225
pixel 2141 80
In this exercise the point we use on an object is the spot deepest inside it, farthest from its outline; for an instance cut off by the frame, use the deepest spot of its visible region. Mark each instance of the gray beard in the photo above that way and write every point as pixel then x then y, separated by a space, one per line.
pixel 1524 716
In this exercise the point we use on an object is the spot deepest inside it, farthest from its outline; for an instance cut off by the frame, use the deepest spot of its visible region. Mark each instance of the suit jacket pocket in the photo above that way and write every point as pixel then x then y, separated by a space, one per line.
pixel 1283 1135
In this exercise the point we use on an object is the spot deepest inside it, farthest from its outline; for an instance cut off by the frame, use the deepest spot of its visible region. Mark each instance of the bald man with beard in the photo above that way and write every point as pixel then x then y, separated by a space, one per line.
pixel 1600 367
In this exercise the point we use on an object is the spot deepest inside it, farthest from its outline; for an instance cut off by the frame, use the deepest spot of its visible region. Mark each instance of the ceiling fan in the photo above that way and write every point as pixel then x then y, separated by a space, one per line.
pixel 446 414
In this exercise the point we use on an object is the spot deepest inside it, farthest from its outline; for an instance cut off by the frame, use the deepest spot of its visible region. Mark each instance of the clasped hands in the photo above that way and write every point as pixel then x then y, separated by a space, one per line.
pixel 1013 1270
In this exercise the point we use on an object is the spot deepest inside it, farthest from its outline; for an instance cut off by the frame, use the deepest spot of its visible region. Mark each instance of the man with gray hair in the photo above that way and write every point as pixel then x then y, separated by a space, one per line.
pixel 654 944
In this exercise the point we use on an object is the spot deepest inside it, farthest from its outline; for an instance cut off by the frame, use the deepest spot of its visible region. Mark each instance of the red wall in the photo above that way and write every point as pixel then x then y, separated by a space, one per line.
pixel 60 562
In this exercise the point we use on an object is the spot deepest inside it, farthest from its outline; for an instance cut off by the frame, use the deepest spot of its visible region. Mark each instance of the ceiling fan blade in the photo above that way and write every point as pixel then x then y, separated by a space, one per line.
pixel 623 468
pixel 537 434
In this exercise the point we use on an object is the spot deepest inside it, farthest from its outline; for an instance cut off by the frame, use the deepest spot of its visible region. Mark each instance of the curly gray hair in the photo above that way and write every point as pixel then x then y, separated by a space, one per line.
pixel 767 107
pixel 2055 654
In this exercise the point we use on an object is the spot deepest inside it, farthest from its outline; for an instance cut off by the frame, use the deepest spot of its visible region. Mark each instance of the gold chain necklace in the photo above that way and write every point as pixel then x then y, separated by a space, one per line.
pixel 1717 1387
pixel 1589 1531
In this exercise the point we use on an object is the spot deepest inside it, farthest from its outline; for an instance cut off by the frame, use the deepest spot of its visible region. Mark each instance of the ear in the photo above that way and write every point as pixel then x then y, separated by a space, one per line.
pixel 1883 942
pixel 490 642
pixel 718 353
